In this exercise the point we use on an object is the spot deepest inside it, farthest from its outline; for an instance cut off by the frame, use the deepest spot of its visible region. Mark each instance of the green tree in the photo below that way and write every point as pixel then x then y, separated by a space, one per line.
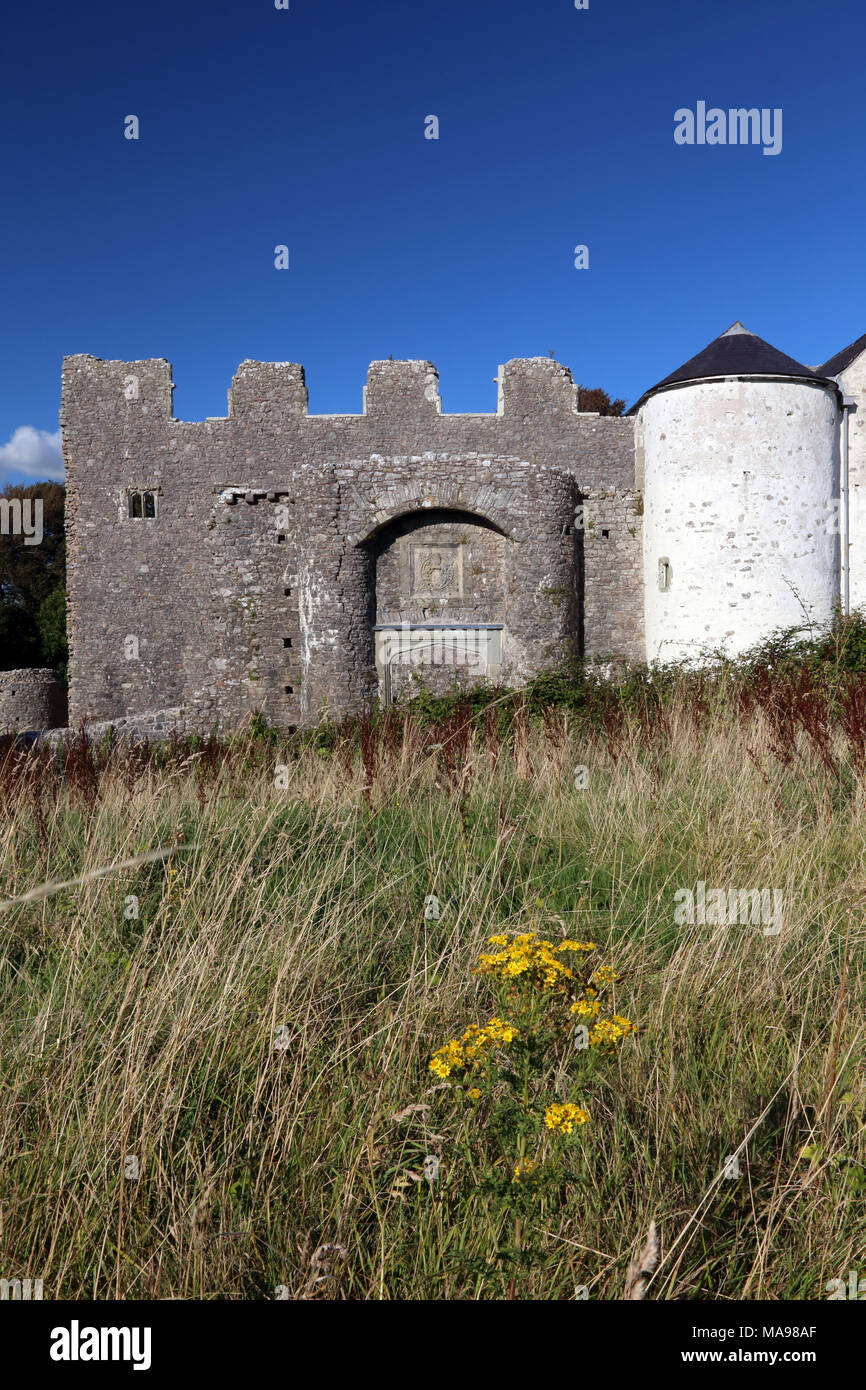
pixel 594 398
pixel 51 622
pixel 29 574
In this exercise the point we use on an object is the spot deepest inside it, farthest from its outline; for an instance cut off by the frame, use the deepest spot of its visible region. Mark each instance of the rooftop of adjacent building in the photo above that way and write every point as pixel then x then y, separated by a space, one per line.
pixel 834 365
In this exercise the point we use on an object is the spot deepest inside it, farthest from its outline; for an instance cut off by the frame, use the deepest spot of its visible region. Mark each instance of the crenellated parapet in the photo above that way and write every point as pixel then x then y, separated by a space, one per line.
pixel 529 388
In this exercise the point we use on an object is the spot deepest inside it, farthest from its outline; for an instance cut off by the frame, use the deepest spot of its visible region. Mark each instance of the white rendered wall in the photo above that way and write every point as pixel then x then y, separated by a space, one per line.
pixel 854 383
pixel 739 478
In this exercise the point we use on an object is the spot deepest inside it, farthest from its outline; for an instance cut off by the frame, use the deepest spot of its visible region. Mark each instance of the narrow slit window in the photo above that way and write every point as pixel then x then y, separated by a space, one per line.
pixel 664 574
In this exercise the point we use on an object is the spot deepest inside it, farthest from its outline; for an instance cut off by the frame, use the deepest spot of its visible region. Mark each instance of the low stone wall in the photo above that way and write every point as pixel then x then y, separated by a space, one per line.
pixel 32 699
pixel 159 724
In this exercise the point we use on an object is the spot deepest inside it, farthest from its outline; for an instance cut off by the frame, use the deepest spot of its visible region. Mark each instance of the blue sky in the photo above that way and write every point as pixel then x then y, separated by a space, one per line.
pixel 305 127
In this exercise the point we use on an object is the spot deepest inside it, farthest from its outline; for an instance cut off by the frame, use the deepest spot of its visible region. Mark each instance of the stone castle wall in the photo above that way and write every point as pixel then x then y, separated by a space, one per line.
pixel 613 573
pixel 282 541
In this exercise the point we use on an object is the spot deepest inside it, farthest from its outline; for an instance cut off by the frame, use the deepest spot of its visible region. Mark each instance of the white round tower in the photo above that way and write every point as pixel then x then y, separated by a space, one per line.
pixel 740 454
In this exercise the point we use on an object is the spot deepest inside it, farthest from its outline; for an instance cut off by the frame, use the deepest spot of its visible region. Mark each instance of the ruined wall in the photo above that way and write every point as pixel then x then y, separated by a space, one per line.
pixel 31 699
pixel 141 579
pixel 613 573
pixel 256 584
pixel 439 566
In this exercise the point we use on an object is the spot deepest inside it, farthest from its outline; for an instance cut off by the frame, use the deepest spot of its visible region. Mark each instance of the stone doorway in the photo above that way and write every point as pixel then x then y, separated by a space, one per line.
pixel 440 601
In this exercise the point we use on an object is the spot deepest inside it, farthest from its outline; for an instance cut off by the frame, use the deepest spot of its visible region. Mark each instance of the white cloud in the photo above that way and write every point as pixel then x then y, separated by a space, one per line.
pixel 35 453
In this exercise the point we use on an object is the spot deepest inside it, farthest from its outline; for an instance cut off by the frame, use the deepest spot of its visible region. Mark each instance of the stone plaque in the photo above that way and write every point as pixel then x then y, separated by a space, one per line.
pixel 435 571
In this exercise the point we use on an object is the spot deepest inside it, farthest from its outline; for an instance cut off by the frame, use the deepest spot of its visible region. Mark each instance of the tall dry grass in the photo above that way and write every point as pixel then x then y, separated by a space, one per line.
pixel 257 1037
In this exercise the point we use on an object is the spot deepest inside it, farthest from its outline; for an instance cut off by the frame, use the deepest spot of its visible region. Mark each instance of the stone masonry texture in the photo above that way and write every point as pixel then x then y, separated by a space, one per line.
pixel 31 699
pixel 272 544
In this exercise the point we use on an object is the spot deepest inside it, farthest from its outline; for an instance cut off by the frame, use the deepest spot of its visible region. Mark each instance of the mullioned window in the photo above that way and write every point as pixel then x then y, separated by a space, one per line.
pixel 142 504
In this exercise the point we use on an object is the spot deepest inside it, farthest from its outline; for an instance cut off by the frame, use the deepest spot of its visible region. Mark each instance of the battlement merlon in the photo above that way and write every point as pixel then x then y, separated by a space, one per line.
pixel 532 386
pixel 260 389
pixel 402 389
pixel 120 389
pixel 529 387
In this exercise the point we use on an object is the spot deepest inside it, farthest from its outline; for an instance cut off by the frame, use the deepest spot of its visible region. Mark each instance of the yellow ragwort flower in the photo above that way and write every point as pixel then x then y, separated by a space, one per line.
pixel 469 1051
pixel 522 1170
pixel 527 955
pixel 587 1008
pixel 564 1117
pixel 624 1023
pixel 610 1030
pixel 604 975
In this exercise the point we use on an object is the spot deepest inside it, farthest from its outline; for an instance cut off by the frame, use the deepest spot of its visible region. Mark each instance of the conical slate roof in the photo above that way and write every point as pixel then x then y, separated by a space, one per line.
pixel 736 352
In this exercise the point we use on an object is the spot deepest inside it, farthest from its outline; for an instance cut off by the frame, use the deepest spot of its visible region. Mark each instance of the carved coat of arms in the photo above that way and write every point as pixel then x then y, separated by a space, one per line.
pixel 435 571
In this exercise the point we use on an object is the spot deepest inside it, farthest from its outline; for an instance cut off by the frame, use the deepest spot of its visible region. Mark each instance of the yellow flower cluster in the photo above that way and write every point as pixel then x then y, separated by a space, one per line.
pixel 610 1030
pixel 469 1051
pixel 528 955
pixel 564 1117
pixel 523 1170
pixel 587 1007
pixel 604 975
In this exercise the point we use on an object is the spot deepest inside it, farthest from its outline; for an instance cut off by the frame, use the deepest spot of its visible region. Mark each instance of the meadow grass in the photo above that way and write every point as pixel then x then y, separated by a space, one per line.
pixel 257 1038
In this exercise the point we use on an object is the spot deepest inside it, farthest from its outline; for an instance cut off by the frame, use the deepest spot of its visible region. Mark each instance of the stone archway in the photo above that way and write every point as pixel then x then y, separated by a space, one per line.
pixel 351 527
pixel 368 507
